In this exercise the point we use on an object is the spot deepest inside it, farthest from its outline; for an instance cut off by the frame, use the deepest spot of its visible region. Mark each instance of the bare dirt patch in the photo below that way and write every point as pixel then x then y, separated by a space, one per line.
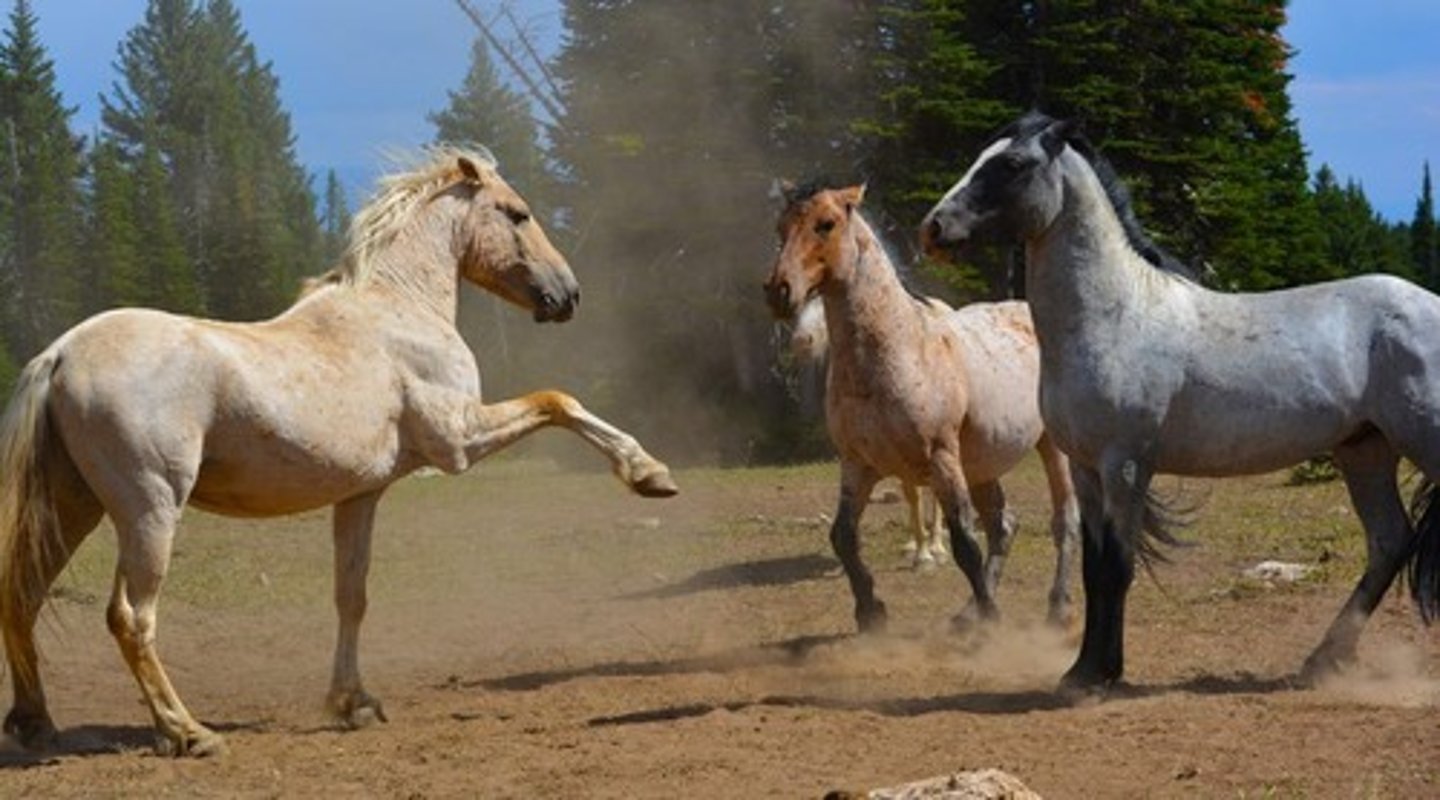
pixel 536 633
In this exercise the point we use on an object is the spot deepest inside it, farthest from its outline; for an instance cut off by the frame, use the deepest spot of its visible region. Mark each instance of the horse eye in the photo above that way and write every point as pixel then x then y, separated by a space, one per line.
pixel 824 226
pixel 517 216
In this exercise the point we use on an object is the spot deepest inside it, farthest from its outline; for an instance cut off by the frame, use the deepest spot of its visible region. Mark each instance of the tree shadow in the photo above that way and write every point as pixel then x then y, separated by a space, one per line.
pixel 99 740
pixel 789 651
pixel 983 703
pixel 769 572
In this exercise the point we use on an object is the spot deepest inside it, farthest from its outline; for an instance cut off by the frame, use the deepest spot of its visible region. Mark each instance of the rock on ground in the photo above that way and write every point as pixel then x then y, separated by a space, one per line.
pixel 985 784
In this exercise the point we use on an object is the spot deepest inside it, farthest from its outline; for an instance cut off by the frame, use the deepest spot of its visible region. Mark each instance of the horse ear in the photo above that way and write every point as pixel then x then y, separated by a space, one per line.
pixel 782 189
pixel 853 196
pixel 469 170
pixel 1057 134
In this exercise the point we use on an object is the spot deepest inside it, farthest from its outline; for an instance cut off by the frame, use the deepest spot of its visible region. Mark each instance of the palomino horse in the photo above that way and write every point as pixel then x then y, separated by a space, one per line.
pixel 809 341
pixel 944 400
pixel 136 413
pixel 1144 371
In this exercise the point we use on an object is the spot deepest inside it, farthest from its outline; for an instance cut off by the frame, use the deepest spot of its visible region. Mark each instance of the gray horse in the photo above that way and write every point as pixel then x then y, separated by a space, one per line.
pixel 1144 371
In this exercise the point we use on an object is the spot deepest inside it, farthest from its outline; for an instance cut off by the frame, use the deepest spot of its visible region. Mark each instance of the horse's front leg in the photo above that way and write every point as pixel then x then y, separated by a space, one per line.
pixel 1110 523
pixel 856 483
pixel 953 494
pixel 354 520
pixel 488 428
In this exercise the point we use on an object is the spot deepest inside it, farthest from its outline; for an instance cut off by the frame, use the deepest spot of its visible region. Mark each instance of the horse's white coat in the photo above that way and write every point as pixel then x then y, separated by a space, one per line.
pixel 136 413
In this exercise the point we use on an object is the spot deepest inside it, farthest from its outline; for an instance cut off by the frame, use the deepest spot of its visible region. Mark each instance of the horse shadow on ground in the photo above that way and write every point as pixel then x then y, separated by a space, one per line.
pixel 84 741
pixel 768 572
pixel 786 652
pixel 984 703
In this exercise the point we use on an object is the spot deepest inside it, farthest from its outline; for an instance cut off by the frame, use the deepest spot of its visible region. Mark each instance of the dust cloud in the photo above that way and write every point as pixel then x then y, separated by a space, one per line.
pixel 667 222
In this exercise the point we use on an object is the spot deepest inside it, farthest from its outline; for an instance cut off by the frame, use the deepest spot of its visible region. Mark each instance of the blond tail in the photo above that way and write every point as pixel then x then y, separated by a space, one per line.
pixel 29 532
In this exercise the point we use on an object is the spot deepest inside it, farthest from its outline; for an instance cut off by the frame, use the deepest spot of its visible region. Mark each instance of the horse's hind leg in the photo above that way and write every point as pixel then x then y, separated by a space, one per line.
pixel 77 513
pixel 856 483
pixel 1064 528
pixel 354 520
pixel 918 546
pixel 1000 529
pixel 145 542
pixel 1369 466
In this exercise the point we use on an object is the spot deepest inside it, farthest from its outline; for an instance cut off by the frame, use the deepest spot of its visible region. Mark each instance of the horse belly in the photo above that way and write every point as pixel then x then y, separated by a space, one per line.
pixel 263 474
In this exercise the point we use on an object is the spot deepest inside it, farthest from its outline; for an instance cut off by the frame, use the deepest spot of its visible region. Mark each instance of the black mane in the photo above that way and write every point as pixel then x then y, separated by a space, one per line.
pixel 1033 122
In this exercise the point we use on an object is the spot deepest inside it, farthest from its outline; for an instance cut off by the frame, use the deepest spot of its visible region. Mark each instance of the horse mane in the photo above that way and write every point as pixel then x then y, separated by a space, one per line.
pixel 1032 122
pixel 796 195
pixel 400 196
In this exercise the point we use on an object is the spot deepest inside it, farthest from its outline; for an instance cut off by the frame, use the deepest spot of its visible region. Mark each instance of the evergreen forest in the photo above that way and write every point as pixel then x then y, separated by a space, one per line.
pixel 671 121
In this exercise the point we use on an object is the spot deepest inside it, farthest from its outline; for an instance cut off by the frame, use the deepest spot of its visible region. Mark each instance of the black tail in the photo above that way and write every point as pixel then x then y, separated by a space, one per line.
pixel 1162 516
pixel 1425 557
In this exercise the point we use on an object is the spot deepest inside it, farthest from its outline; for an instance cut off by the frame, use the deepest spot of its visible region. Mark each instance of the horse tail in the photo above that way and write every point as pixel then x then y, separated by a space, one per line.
pixel 1425 552
pixel 29 529
pixel 1161 517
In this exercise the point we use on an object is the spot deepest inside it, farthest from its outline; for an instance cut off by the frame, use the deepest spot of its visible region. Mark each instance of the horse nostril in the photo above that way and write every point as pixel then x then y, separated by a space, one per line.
pixel 934 229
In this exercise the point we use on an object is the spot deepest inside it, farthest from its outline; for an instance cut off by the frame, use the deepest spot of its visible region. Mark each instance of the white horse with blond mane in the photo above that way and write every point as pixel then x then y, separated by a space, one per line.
pixel 136 413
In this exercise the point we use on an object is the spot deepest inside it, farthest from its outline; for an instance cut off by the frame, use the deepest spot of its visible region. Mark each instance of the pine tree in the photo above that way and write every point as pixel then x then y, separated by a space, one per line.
pixel 334 220
pixel 170 279
pixel 39 174
pixel 240 196
pixel 1189 100
pixel 487 112
pixel 1358 240
pixel 1424 242
pixel 113 242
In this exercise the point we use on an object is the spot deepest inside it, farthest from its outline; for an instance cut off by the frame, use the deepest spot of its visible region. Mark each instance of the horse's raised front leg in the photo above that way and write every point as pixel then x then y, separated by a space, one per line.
pixel 354 520
pixel 953 495
pixel 856 483
pixel 1064 529
pixel 145 543
pixel 1369 469
pixel 491 427
pixel 1111 519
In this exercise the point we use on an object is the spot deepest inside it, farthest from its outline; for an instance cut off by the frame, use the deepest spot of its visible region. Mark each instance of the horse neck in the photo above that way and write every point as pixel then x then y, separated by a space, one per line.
pixel 866 306
pixel 419 265
pixel 1082 265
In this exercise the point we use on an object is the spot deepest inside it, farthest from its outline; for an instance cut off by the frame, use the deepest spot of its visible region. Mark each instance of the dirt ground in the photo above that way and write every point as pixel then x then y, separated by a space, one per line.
pixel 539 633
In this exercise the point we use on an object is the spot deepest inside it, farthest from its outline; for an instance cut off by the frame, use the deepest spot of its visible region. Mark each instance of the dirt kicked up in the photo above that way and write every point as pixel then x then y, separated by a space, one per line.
pixel 537 633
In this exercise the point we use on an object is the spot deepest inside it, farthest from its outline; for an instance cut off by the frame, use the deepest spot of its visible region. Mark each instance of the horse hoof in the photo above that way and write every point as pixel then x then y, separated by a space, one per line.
pixel 873 619
pixel 1320 667
pixel 358 710
pixel 1083 682
pixel 33 731
pixel 656 484
pixel 203 743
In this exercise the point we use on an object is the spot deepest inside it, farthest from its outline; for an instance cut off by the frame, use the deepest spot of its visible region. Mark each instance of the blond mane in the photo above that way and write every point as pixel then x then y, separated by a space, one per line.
pixel 400 196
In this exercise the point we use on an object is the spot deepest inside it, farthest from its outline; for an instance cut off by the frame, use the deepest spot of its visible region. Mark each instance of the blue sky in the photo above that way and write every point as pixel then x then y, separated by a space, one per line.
pixel 359 76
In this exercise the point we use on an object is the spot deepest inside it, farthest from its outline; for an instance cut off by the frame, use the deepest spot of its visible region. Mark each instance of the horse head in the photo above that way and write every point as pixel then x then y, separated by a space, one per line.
pixel 504 250
pixel 815 241
pixel 1012 192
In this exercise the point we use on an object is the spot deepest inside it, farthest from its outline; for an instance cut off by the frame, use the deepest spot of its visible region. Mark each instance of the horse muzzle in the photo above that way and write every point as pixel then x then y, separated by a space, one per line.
pixel 940 239
pixel 556 305
pixel 778 297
